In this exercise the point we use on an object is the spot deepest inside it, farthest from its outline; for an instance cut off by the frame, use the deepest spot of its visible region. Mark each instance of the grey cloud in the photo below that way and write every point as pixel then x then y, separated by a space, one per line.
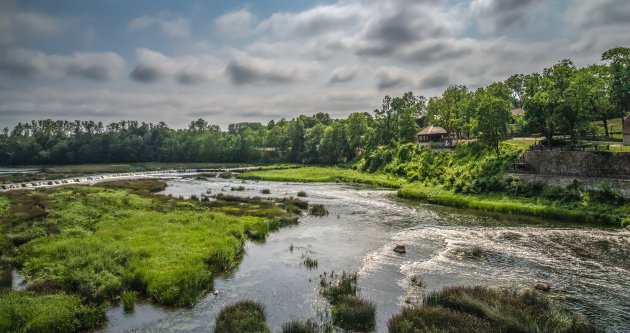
pixel 17 25
pixel 436 80
pixel 247 70
pixel 590 14
pixel 496 15
pixel 31 64
pixel 343 74
pixel 390 77
pixel 153 67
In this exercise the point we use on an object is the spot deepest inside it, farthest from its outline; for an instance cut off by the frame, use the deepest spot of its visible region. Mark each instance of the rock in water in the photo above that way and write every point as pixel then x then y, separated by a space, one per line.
pixel 542 286
pixel 400 249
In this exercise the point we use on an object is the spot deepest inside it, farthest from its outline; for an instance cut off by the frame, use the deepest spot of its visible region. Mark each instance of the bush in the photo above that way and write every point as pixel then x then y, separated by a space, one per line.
pixel 245 316
pixel 354 314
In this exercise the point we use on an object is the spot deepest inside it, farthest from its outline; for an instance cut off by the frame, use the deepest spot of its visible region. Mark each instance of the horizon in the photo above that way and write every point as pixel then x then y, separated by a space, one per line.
pixel 153 61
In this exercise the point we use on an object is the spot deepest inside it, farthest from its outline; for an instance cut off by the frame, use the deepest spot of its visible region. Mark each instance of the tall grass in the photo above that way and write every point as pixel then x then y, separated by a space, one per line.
pixel 306 326
pixel 354 314
pixel 27 312
pixel 128 300
pixel 245 316
pixel 483 309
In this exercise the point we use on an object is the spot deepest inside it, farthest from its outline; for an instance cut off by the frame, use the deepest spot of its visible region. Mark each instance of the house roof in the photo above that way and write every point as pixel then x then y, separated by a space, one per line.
pixel 517 112
pixel 432 130
pixel 626 125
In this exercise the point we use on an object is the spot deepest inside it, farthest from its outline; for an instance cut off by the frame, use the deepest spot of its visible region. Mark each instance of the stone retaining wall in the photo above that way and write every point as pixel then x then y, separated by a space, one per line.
pixel 579 163
pixel 587 183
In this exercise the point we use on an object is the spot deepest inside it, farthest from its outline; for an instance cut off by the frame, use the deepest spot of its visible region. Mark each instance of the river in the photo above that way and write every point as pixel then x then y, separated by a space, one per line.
pixel 588 268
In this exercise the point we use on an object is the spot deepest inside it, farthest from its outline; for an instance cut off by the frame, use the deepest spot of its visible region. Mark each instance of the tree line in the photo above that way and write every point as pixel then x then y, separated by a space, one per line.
pixel 562 99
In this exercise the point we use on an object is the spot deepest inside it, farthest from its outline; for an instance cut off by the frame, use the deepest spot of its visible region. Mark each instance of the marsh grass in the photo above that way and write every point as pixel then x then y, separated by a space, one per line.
pixel 354 314
pixel 244 316
pixel 128 300
pixel 318 210
pixel 97 242
pixel 302 194
pixel 28 312
pixel 238 188
pixel 335 290
pixel 483 309
pixel 265 191
pixel 138 186
pixel 306 326
pixel 310 263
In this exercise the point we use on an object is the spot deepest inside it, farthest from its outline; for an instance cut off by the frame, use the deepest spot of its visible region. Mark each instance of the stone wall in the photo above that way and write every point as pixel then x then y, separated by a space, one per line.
pixel 626 139
pixel 579 163
pixel 587 183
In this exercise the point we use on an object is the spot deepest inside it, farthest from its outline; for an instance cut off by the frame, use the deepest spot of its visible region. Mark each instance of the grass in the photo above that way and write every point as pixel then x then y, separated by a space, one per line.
pixel 265 191
pixel 318 210
pixel 99 243
pixel 4 205
pixel 354 314
pixel 238 188
pixel 579 212
pixel 245 316
pixel 302 194
pixel 128 300
pixel 310 263
pixel 28 312
pixel 306 326
pixel 483 309
pixel 324 175
pixel 349 311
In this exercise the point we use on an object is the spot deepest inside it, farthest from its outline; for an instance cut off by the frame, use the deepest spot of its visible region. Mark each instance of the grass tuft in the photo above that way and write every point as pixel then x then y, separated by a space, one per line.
pixel 129 300
pixel 244 316
pixel 306 326
pixel 318 210
pixel 310 263
pixel 354 314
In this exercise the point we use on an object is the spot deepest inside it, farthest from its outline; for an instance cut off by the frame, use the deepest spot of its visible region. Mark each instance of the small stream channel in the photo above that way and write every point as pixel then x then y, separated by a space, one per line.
pixel 587 267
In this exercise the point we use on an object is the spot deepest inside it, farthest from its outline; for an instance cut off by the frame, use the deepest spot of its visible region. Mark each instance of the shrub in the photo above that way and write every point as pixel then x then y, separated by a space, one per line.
pixel 354 314
pixel 244 316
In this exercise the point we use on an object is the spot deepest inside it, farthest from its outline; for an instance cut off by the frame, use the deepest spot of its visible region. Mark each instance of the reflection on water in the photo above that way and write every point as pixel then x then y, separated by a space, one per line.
pixel 587 267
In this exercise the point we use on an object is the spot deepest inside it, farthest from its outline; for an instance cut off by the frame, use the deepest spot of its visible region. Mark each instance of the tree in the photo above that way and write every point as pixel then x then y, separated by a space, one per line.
pixel 619 61
pixel 588 95
pixel 493 109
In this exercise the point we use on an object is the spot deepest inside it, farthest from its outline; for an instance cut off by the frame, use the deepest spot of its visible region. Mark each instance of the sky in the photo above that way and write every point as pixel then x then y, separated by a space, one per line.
pixel 234 61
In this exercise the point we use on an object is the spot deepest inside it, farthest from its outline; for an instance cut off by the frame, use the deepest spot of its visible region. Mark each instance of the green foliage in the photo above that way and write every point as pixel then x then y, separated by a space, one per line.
pixel 335 291
pixel 28 312
pixel 245 316
pixel 4 205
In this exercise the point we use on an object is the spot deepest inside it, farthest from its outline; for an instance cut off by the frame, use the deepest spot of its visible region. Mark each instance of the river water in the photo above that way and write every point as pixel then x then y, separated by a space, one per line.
pixel 588 268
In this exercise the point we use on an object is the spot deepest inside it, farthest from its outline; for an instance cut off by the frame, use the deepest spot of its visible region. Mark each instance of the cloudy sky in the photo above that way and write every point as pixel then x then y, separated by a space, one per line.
pixel 232 61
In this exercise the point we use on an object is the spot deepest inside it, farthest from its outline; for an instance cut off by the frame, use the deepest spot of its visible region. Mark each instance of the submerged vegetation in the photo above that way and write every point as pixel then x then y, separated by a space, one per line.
pixel 103 241
pixel 483 309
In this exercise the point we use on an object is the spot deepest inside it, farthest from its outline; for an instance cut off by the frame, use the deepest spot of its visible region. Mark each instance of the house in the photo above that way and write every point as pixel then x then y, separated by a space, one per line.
pixel 517 112
pixel 432 135
pixel 626 131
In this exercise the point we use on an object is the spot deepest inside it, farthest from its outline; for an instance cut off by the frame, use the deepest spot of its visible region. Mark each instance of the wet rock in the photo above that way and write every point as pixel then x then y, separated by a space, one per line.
pixel 400 249
pixel 215 293
pixel 542 286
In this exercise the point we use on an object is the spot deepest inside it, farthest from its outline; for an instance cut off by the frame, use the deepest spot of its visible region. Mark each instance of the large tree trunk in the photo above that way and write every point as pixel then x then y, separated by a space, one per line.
pixel 606 126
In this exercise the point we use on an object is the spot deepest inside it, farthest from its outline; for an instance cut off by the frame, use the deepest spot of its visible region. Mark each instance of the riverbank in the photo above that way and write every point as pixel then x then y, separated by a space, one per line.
pixel 324 175
pixel 583 211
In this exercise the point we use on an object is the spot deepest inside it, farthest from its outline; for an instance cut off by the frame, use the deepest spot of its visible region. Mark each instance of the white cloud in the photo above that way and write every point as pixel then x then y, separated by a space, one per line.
pixel 177 27
pixel 234 24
